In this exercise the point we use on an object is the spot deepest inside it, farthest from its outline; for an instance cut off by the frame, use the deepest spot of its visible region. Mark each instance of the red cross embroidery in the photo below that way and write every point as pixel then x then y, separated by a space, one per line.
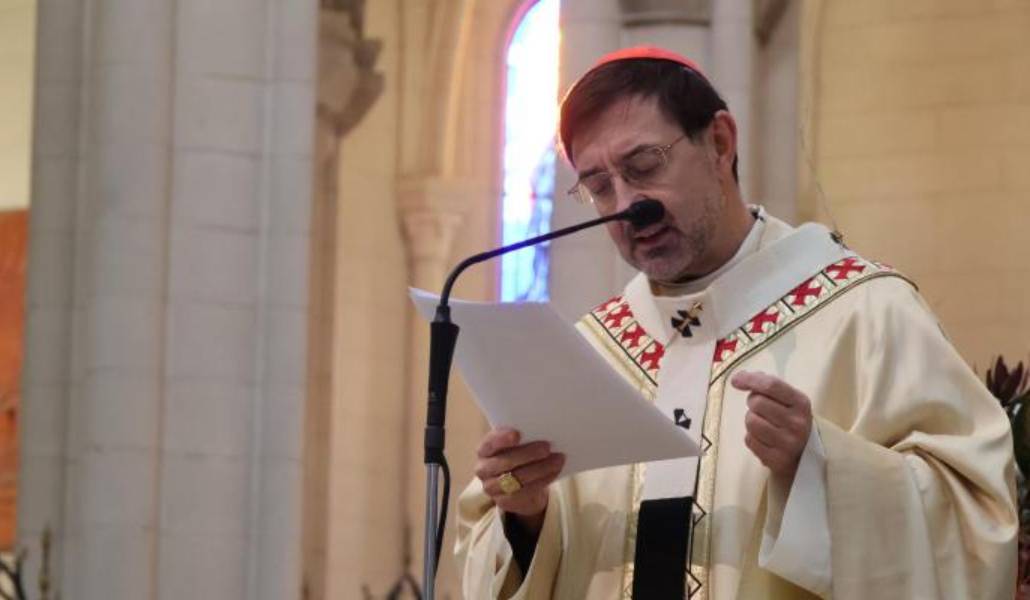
pixel 845 268
pixel 652 357
pixel 631 337
pixel 617 316
pixel 608 305
pixel 758 323
pixel 723 347
pixel 803 291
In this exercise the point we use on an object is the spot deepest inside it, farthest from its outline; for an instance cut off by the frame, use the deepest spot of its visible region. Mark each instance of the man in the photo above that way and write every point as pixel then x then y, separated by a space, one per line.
pixel 848 450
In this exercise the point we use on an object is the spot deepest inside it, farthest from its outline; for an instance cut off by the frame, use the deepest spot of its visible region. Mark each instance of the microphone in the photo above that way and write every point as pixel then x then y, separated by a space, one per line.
pixel 643 213
pixel 443 336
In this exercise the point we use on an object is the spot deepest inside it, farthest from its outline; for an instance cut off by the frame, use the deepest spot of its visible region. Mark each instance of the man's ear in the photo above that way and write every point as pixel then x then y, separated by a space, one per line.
pixel 724 139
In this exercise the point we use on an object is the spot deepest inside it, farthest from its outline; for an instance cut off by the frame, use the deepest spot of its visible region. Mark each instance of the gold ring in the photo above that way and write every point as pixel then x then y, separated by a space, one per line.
pixel 509 483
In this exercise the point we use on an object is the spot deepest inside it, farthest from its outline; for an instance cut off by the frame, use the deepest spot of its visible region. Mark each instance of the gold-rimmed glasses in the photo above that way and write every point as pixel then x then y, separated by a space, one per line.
pixel 638 168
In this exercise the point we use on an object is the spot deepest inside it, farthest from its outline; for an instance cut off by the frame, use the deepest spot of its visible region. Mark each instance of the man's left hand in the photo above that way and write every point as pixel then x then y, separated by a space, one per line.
pixel 778 421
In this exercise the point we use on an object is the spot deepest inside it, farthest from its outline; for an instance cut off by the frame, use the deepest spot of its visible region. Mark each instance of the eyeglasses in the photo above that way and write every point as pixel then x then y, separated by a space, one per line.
pixel 639 168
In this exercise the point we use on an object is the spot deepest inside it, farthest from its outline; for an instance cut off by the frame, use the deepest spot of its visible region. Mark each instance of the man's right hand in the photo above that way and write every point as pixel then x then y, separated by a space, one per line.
pixel 534 465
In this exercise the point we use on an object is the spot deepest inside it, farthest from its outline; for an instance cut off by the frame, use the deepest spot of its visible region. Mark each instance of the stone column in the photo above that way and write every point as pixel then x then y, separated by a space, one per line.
pixel 117 399
pixel 347 88
pixel 184 414
pixel 679 25
pixel 584 267
pixel 48 309
pixel 235 371
pixel 734 48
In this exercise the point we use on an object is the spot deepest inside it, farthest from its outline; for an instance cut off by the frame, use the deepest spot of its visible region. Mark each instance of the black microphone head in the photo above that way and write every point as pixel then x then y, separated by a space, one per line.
pixel 644 213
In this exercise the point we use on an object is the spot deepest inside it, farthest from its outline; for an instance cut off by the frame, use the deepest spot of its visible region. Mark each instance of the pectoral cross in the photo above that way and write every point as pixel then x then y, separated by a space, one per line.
pixel 686 319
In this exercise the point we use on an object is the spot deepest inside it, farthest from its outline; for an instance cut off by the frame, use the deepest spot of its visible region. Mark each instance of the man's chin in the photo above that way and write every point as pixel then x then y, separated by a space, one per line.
pixel 658 264
pixel 660 271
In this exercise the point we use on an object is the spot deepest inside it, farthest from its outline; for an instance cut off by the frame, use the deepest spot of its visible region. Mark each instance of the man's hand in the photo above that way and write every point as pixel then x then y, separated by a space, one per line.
pixel 778 422
pixel 534 465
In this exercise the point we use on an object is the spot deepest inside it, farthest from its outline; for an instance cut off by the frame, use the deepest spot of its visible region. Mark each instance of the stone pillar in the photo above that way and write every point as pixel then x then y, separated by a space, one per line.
pixel 681 26
pixel 113 498
pixel 347 88
pixel 235 372
pixel 50 280
pixel 182 422
pixel 734 48
pixel 585 268
pixel 776 144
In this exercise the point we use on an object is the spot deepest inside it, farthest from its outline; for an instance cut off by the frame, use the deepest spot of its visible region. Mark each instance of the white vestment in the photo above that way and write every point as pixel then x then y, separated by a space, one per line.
pixel 905 490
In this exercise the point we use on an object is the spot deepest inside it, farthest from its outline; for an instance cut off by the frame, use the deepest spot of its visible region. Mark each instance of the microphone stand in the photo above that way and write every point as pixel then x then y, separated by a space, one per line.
pixel 443 336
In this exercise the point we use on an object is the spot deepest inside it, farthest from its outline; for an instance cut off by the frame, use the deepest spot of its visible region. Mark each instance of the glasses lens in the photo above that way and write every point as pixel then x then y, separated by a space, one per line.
pixel 598 184
pixel 580 194
pixel 597 189
pixel 642 165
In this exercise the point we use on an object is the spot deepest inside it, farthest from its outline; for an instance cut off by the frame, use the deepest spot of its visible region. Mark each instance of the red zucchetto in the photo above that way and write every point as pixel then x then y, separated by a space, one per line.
pixel 653 52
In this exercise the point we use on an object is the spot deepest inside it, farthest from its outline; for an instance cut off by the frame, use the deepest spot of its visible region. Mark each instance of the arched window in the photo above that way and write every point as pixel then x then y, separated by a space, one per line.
pixel 530 119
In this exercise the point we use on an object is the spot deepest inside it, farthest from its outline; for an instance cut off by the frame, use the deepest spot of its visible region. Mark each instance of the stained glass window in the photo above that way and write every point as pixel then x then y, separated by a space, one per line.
pixel 530 119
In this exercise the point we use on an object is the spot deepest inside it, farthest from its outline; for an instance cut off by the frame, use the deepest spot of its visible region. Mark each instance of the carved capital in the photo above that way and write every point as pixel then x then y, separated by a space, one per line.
pixel 661 12
pixel 435 194
pixel 431 211
pixel 430 234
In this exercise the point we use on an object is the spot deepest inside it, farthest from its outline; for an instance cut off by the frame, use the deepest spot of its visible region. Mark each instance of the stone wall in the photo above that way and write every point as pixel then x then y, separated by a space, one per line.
pixel 17 53
pixel 920 117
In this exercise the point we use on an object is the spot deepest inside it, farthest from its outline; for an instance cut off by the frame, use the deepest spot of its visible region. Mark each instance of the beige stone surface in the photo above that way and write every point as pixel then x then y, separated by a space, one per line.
pixel 17 58
pixel 417 192
pixel 921 123
pixel 167 301
pixel 190 273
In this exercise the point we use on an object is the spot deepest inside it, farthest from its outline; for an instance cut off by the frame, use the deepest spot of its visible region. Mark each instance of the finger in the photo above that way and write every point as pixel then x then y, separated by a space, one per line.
pixel 497 440
pixel 766 432
pixel 769 456
pixel 549 467
pixel 545 470
pixel 796 421
pixel 768 385
pixel 531 499
pixel 511 459
pixel 769 409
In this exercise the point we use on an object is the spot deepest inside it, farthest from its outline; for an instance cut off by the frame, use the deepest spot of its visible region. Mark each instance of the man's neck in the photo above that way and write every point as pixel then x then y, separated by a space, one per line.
pixel 744 241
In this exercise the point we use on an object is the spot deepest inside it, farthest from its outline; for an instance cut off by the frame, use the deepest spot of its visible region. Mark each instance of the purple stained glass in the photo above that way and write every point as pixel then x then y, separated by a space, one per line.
pixel 531 116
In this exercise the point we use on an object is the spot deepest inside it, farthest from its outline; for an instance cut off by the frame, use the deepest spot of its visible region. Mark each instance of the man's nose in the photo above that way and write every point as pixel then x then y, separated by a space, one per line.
pixel 625 193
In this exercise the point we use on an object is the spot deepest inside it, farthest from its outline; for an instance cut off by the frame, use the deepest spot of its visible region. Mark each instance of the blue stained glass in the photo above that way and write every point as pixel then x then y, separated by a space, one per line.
pixel 531 116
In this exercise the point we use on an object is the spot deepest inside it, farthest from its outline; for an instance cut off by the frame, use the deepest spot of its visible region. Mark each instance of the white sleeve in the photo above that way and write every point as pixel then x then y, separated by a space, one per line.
pixel 796 538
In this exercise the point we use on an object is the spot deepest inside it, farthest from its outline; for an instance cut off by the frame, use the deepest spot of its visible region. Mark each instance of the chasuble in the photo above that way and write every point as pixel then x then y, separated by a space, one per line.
pixel 906 486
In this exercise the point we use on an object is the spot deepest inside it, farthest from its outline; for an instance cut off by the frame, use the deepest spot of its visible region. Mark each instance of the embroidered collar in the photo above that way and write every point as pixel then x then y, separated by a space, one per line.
pixel 782 258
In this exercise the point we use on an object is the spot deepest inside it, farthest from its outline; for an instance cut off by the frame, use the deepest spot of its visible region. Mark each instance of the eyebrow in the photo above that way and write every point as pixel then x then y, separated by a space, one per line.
pixel 625 155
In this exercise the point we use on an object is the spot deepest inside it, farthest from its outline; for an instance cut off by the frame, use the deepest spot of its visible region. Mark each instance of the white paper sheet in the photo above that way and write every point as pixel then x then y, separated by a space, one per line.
pixel 532 371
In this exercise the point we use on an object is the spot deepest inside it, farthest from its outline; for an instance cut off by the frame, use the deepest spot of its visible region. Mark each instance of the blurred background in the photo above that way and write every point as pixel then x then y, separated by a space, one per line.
pixel 212 384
